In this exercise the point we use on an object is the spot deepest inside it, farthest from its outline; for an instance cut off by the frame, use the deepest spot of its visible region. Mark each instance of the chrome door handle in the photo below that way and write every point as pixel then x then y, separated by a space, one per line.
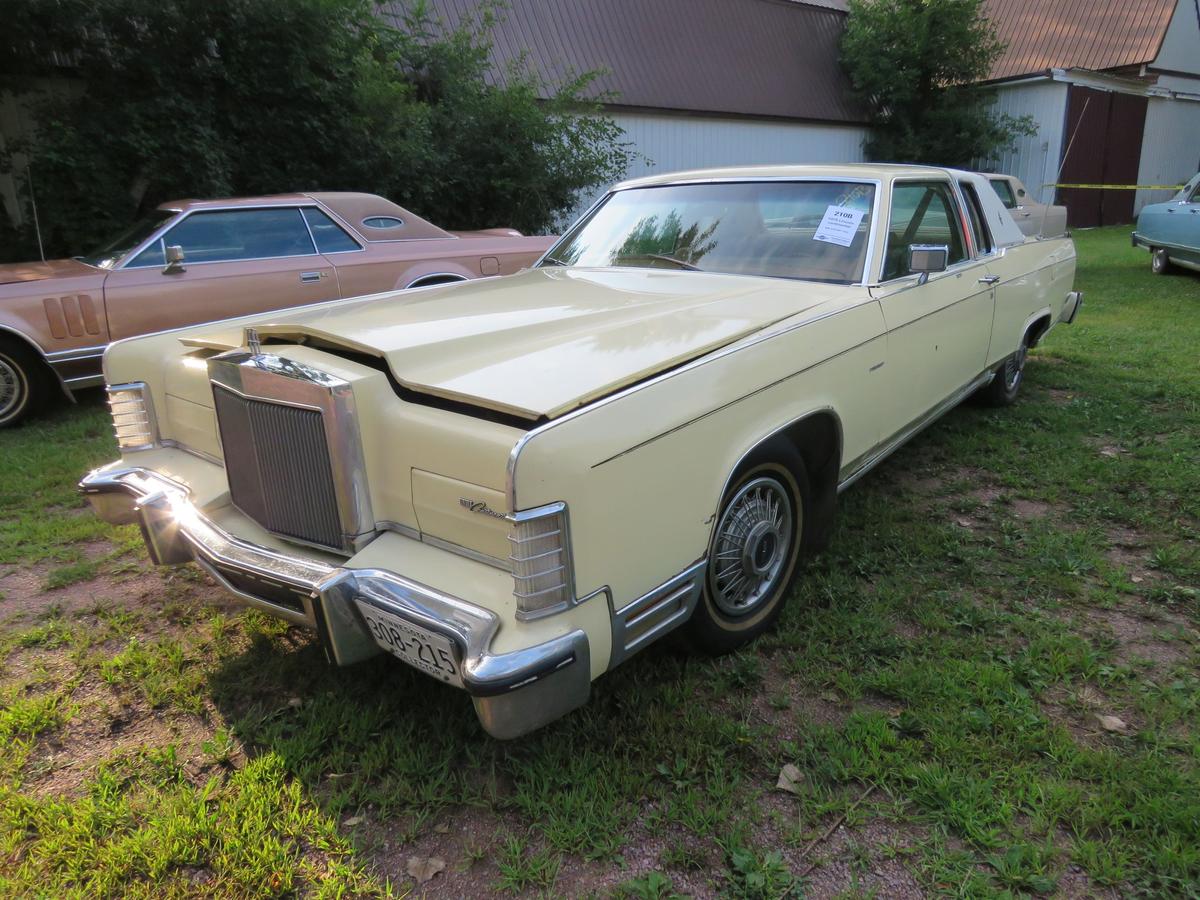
pixel 310 277
pixel 989 279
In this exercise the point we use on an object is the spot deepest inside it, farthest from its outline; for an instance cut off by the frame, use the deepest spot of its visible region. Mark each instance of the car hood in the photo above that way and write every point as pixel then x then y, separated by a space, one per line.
pixel 1155 208
pixel 541 343
pixel 14 273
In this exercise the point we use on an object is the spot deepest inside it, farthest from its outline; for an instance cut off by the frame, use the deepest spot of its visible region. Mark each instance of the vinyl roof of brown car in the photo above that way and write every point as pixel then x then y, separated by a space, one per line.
pixel 352 208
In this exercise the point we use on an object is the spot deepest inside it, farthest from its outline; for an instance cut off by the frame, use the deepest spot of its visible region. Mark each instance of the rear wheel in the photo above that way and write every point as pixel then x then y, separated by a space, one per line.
pixel 754 553
pixel 1160 262
pixel 1006 382
pixel 22 383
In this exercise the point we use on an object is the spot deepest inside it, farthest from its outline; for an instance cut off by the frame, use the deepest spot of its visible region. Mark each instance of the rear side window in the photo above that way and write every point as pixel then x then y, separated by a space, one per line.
pixel 231 235
pixel 1004 189
pixel 923 212
pixel 327 233
pixel 979 229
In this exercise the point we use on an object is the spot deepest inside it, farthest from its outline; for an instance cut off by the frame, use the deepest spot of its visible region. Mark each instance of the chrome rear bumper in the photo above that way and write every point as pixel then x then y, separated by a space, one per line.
pixel 513 693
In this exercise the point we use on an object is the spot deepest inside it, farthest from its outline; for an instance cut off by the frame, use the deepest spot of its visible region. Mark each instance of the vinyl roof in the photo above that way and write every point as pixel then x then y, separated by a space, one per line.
pixel 741 57
pixel 1077 34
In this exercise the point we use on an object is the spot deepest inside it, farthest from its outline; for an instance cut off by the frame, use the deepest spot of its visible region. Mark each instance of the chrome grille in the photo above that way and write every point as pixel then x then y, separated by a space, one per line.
pixel 277 461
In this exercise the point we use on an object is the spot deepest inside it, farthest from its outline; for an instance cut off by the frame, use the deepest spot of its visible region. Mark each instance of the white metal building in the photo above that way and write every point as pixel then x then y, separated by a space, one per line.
pixel 694 83
pixel 1122 78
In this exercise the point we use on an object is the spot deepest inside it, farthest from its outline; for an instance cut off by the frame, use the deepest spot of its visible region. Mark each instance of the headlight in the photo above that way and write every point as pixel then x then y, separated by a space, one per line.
pixel 541 561
pixel 132 415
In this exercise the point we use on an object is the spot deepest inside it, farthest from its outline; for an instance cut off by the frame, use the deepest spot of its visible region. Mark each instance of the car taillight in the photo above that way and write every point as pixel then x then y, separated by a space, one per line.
pixel 541 561
pixel 133 418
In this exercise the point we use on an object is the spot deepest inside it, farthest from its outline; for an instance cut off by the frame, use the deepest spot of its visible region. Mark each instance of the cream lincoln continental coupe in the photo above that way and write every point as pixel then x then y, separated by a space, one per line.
pixel 515 484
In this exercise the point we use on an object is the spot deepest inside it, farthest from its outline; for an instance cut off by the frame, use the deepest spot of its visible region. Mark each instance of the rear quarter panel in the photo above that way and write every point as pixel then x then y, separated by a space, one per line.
pixel 1035 278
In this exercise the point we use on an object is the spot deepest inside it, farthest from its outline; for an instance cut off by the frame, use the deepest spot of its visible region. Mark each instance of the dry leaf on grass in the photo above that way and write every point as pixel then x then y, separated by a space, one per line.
pixel 423 868
pixel 1111 723
pixel 789 779
pixel 353 820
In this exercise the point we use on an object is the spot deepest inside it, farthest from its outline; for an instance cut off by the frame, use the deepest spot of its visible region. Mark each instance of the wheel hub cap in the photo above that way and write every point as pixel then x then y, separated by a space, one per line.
pixel 10 384
pixel 754 537
pixel 1016 365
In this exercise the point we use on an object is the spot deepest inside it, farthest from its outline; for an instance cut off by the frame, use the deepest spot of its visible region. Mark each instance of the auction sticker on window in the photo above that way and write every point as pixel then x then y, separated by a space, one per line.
pixel 839 225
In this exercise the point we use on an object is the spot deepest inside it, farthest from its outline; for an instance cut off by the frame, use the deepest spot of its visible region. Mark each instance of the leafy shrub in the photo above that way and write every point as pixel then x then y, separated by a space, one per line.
pixel 158 99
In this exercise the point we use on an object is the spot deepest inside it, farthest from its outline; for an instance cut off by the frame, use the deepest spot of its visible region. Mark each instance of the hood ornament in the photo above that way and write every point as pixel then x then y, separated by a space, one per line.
pixel 253 342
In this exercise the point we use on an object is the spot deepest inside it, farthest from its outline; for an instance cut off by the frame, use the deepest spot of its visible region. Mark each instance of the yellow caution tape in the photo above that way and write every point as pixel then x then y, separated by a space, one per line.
pixel 1121 187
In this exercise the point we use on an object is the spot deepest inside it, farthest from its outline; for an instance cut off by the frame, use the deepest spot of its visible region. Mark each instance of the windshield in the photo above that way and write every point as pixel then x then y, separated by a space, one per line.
pixel 810 230
pixel 110 254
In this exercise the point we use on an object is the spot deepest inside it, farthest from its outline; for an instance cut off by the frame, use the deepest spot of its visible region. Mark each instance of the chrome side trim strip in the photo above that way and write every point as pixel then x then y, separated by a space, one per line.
pixel 407 530
pixel 83 381
pixel 858 468
pixel 77 353
pixel 656 613
pixel 494 561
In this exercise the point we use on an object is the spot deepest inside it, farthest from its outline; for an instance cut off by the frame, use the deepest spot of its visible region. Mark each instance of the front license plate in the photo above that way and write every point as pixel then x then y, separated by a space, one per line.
pixel 423 649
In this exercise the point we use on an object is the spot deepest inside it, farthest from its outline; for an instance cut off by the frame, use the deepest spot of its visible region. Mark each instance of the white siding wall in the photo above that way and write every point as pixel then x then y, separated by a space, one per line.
pixel 1180 51
pixel 1170 147
pixel 673 142
pixel 1171 142
pixel 1035 159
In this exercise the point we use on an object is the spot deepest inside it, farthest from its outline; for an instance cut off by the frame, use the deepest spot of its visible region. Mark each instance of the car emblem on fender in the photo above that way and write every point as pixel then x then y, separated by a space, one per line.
pixel 480 506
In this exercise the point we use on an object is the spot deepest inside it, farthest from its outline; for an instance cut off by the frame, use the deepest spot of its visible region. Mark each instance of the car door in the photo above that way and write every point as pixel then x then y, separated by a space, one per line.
pixel 937 329
pixel 237 261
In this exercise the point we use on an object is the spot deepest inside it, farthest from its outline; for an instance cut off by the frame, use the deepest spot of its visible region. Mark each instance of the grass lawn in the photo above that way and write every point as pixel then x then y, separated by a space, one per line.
pixel 989 684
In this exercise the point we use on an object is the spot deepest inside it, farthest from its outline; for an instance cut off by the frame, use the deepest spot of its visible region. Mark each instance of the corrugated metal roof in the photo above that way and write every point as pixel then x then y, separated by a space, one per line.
pixel 1077 34
pixel 748 57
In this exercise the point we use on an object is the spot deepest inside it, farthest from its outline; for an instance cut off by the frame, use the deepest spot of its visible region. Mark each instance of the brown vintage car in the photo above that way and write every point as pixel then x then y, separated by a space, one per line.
pixel 194 261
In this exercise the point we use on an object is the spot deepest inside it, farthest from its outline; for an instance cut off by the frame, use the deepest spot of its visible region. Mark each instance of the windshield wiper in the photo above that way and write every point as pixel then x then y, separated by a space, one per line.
pixel 553 261
pixel 662 257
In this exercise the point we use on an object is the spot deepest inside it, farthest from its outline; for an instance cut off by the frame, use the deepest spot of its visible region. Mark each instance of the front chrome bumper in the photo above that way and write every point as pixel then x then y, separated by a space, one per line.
pixel 513 693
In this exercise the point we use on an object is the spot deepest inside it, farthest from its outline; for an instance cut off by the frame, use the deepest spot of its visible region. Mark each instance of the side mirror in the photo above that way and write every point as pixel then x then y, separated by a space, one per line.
pixel 926 258
pixel 174 257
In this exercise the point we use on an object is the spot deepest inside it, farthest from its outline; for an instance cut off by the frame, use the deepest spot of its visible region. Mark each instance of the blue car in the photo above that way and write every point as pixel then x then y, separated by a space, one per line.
pixel 1171 230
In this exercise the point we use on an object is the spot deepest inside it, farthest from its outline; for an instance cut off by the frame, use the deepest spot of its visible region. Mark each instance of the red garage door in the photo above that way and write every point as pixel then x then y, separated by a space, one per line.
pixel 1104 136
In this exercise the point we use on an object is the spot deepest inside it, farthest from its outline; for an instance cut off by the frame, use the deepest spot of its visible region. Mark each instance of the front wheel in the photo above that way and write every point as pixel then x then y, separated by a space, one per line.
pixel 754 553
pixel 1160 262
pixel 22 387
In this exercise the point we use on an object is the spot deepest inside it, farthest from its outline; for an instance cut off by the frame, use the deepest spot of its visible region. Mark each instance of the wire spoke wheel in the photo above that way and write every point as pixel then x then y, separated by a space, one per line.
pixel 752 547
pixel 12 387
pixel 1015 368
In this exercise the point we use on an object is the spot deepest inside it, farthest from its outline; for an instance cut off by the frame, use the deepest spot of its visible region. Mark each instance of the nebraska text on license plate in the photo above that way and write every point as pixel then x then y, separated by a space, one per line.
pixel 431 653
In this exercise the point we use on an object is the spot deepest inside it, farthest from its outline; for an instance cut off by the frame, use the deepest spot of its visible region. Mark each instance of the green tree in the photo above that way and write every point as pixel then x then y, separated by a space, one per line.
pixel 175 98
pixel 915 64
